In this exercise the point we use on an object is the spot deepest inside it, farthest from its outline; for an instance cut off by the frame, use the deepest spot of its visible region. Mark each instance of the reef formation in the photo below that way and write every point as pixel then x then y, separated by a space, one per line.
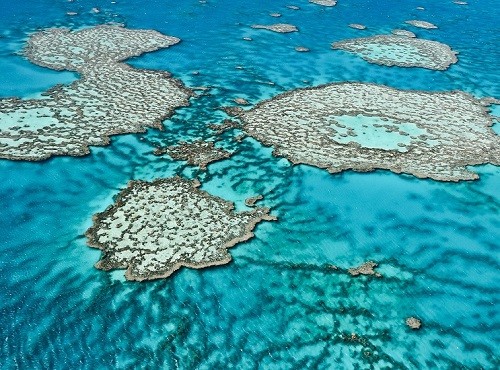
pixel 363 127
pixel 413 323
pixel 226 125
pixel 357 26
pixel 301 49
pixel 405 33
pixel 324 2
pixel 154 228
pixel 250 202
pixel 367 268
pixel 278 27
pixel 198 153
pixel 401 51
pixel 421 24
pixel 109 98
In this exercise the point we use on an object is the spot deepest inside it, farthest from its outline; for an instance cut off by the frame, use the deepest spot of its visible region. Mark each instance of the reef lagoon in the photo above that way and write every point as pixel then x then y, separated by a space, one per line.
pixel 212 184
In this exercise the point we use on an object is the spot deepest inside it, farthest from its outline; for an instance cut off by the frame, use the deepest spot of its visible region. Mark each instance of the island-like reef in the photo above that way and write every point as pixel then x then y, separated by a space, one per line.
pixel 109 98
pixel 421 24
pixel 324 2
pixel 198 153
pixel 363 127
pixel 278 27
pixel 154 228
pixel 400 49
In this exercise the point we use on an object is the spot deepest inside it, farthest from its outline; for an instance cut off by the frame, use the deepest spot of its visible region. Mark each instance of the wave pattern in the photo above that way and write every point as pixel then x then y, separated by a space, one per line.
pixel 280 304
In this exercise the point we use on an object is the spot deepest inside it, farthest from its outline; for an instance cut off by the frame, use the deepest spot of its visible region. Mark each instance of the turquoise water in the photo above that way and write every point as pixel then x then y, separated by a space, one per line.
pixel 374 132
pixel 279 304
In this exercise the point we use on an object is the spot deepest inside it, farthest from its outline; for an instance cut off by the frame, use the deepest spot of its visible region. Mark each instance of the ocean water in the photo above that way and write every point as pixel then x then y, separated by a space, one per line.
pixel 279 304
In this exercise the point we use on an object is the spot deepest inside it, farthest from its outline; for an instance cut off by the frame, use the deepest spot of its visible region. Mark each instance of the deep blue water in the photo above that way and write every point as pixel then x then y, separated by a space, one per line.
pixel 278 305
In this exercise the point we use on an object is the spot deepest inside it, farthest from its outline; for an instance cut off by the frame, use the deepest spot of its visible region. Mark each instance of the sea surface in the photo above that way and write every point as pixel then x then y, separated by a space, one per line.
pixel 279 304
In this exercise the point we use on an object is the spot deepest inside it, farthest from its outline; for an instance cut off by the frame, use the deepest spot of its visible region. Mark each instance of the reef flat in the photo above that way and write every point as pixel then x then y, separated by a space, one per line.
pixel 109 98
pixel 357 26
pixel 363 127
pixel 278 27
pixel 413 323
pixel 405 33
pixel 401 51
pixel 199 153
pixel 156 227
pixel 324 2
pixel 421 24
pixel 367 268
pixel 301 49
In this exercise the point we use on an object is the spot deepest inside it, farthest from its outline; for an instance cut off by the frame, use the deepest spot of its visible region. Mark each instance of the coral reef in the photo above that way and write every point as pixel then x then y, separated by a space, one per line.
pixel 250 202
pixel 226 125
pixel 154 228
pixel 363 127
pixel 357 26
pixel 413 323
pixel 421 24
pixel 393 50
pixel 278 27
pixel 405 33
pixel 324 2
pixel 367 268
pixel 109 98
pixel 198 153
pixel 241 101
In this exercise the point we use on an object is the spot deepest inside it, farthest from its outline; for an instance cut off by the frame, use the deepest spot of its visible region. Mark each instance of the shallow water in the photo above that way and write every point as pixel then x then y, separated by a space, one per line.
pixel 279 304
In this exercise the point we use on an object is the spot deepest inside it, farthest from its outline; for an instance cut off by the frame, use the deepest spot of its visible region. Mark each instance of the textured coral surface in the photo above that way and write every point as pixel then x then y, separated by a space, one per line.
pixel 154 228
pixel 109 98
pixel 364 127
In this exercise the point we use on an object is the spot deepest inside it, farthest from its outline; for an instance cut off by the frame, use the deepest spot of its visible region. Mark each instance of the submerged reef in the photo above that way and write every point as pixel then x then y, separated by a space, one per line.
pixel 250 202
pixel 324 2
pixel 241 101
pixel 226 125
pixel 413 323
pixel 357 26
pixel 109 98
pixel 363 127
pixel 394 50
pixel 156 227
pixel 367 268
pixel 421 24
pixel 199 153
pixel 405 33
pixel 278 27
pixel 301 49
